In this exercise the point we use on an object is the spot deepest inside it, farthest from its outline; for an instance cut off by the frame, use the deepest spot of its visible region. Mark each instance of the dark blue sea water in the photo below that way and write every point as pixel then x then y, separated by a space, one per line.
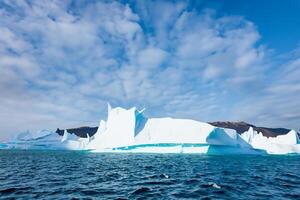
pixel 82 175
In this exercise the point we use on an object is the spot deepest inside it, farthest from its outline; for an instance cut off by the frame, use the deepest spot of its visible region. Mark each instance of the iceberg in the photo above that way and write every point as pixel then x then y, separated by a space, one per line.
pixel 130 131
pixel 282 144
pixel 46 140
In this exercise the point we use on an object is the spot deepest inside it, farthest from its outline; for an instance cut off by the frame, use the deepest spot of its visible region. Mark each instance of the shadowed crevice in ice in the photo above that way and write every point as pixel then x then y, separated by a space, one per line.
pixel 140 122
pixel 229 137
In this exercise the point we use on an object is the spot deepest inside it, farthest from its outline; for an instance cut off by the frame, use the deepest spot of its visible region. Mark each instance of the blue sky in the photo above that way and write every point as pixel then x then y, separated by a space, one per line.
pixel 62 61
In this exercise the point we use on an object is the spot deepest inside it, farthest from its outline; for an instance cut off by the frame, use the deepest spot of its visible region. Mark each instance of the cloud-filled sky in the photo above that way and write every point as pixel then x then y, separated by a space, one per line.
pixel 62 61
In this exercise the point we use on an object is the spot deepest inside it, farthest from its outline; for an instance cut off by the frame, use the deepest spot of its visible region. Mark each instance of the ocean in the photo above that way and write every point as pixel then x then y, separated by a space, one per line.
pixel 26 174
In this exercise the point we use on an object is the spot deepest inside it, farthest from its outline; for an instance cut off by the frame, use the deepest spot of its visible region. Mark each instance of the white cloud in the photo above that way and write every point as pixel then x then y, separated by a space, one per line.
pixel 151 57
pixel 277 102
pixel 60 64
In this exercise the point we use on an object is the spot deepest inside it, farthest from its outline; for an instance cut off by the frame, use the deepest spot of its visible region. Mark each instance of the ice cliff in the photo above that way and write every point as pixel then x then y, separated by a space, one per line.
pixel 128 130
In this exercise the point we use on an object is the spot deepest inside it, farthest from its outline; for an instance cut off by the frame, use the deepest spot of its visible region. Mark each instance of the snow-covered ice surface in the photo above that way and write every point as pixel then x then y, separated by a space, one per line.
pixel 129 131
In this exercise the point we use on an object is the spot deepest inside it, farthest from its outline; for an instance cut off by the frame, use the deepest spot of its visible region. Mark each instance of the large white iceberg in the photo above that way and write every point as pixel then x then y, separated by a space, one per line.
pixel 128 130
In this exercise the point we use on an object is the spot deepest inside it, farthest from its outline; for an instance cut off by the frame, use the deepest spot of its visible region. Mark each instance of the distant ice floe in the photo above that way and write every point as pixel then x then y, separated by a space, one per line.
pixel 129 131
pixel 46 140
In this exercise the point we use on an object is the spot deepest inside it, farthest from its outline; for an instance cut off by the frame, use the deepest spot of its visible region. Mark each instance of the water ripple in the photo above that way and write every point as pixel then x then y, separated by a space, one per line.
pixel 81 175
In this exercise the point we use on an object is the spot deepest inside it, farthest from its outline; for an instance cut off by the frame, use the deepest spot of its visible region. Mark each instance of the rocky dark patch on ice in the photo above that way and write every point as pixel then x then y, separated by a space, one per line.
pixel 80 132
pixel 241 127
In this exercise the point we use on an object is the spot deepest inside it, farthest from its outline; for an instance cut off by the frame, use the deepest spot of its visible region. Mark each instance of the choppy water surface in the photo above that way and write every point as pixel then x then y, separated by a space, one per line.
pixel 82 175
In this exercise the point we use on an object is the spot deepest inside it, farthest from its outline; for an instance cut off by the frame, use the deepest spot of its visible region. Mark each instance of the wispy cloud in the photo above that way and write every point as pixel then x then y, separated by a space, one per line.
pixel 62 61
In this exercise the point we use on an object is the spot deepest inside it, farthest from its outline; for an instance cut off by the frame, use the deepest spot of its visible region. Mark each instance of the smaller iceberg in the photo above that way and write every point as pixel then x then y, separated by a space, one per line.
pixel 282 144
pixel 46 140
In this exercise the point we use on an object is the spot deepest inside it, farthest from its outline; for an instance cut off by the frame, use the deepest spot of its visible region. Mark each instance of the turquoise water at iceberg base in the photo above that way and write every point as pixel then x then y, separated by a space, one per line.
pixel 27 174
